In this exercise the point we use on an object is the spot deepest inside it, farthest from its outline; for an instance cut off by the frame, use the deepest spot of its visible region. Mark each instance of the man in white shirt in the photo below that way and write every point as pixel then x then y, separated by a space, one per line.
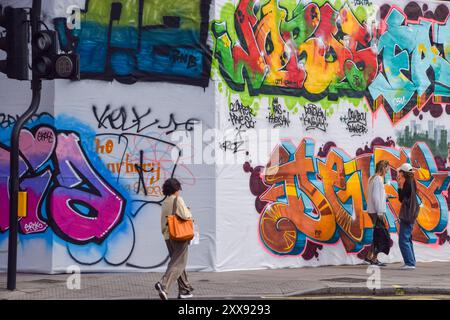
pixel 376 204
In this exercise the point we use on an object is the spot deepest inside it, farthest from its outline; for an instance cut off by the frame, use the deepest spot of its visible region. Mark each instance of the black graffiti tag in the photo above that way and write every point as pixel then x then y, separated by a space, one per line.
pixel 241 116
pixel 188 125
pixel 362 3
pixel 188 59
pixel 234 145
pixel 140 170
pixel 45 135
pixel 278 117
pixel 120 119
pixel 7 120
pixel 356 122
pixel 314 117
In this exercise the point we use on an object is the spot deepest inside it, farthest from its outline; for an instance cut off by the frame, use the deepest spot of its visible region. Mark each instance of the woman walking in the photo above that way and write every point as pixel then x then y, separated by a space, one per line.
pixel 376 207
pixel 409 210
pixel 178 250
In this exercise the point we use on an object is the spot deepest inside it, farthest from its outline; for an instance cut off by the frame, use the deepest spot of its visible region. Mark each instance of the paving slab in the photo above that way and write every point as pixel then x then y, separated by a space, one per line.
pixel 427 279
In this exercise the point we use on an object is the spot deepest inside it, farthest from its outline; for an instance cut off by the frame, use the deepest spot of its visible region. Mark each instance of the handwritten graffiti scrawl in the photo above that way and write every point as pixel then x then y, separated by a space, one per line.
pixel 142 40
pixel 308 198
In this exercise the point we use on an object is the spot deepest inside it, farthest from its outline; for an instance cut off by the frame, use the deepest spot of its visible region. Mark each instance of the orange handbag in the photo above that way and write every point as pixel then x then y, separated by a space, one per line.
pixel 179 229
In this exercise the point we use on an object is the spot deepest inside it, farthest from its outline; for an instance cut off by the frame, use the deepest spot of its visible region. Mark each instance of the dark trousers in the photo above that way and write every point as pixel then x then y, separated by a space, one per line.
pixel 178 252
pixel 375 221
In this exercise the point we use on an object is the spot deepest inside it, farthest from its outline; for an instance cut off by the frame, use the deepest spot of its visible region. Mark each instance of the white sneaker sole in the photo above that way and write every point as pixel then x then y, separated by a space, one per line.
pixel 162 293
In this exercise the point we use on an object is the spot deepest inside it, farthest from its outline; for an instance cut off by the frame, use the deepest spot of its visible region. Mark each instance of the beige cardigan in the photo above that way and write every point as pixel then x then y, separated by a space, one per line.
pixel 167 206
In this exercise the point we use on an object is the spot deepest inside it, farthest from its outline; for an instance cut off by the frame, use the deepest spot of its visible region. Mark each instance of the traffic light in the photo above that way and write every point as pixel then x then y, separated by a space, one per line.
pixel 15 43
pixel 47 63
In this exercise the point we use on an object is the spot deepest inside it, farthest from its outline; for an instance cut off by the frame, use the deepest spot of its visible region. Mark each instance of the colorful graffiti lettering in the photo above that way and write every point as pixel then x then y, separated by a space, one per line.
pixel 302 197
pixel 141 40
pixel 414 60
pixel 317 52
pixel 98 192
pixel 65 191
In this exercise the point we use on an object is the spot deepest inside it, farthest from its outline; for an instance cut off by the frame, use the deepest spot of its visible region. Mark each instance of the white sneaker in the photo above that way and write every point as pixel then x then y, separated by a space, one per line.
pixel 162 292
pixel 406 267
pixel 185 296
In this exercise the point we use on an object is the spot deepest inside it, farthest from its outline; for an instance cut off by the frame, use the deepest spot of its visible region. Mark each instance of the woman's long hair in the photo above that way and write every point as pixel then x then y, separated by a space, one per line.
pixel 381 165
pixel 409 178
pixel 408 175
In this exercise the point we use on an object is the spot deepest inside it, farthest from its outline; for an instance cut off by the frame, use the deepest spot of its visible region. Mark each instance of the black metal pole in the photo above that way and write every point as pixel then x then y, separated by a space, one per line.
pixel 14 183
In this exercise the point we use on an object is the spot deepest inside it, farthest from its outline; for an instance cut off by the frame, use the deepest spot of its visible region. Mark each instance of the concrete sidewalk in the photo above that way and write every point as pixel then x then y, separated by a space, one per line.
pixel 427 278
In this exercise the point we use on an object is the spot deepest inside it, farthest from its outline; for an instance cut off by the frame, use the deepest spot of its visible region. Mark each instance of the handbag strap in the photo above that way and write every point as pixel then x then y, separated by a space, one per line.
pixel 174 209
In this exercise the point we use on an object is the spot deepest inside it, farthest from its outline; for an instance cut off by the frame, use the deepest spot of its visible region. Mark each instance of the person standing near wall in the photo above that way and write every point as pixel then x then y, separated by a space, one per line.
pixel 178 250
pixel 376 207
pixel 409 210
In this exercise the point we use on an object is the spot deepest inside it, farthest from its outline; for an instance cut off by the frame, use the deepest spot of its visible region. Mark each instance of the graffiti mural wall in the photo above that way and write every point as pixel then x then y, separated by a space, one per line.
pixel 95 157
pixel 305 97
pixel 94 190
pixel 340 85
